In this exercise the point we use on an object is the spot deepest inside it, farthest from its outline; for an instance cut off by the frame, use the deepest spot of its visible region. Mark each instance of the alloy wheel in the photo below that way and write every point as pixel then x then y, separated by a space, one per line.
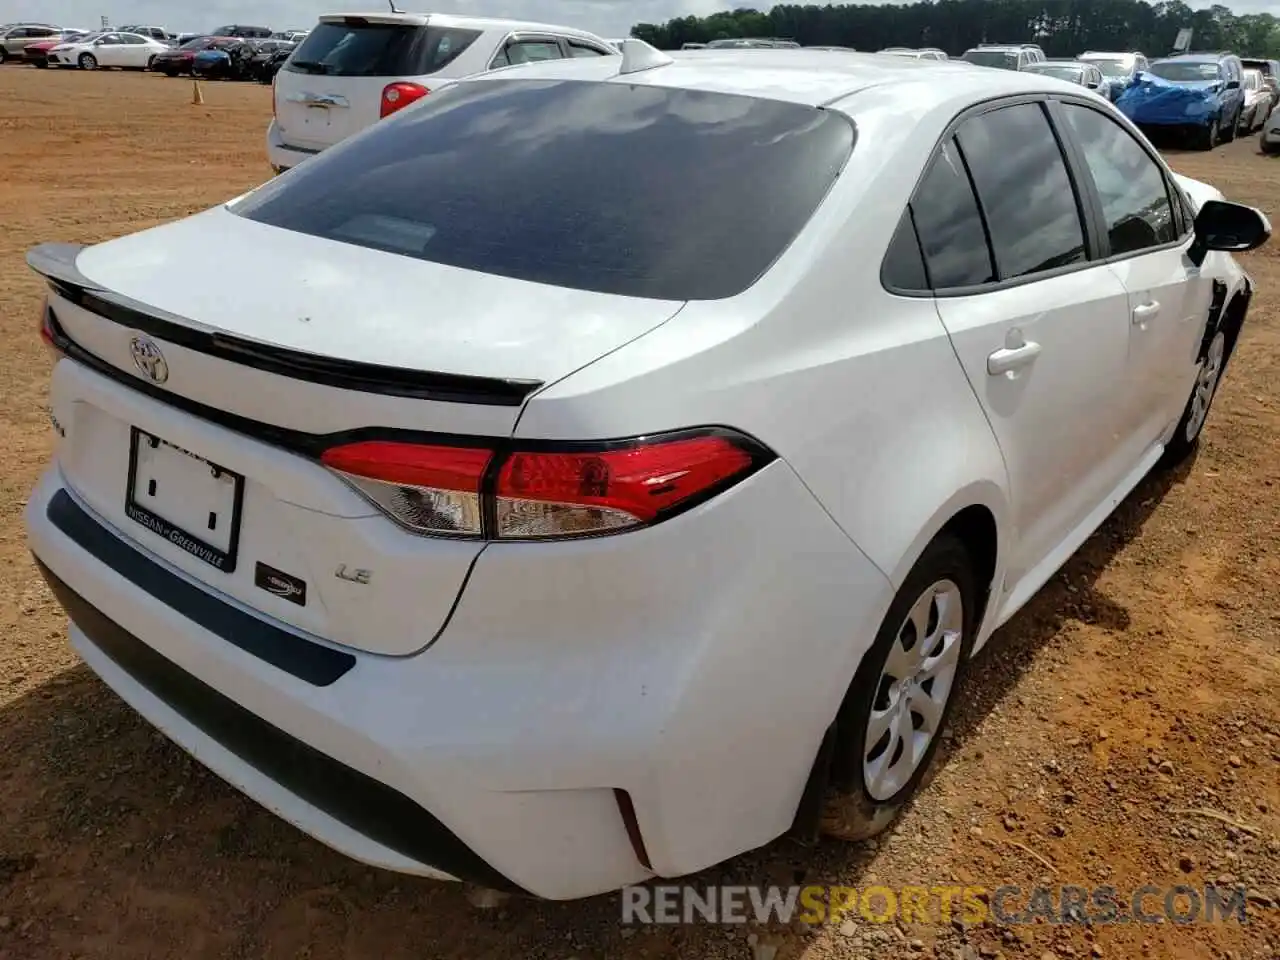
pixel 914 687
pixel 1206 385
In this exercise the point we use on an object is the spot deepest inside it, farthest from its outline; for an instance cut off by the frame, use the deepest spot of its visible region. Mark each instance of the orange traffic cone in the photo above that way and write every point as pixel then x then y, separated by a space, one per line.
pixel 197 95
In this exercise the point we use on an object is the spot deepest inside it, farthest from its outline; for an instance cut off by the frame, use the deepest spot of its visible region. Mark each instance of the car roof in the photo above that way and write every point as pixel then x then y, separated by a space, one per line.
pixel 450 20
pixel 810 77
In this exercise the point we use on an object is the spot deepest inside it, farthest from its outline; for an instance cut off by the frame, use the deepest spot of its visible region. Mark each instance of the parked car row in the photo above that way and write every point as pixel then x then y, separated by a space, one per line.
pixel 234 51
pixel 1206 97
pixel 15 37
pixel 225 58
pixel 1209 97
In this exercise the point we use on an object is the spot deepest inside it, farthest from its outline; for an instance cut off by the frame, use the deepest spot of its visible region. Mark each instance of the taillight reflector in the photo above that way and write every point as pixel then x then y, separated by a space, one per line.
pixel 46 325
pixel 554 494
pixel 397 96
pixel 552 490
pixel 424 487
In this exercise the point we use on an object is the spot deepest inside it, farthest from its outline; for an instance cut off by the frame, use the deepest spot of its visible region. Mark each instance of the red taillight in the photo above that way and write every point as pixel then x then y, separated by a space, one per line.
pixel 397 96
pixel 555 490
pixel 559 494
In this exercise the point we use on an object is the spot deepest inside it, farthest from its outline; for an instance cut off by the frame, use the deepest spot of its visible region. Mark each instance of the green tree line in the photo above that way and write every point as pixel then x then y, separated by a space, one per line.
pixel 1063 28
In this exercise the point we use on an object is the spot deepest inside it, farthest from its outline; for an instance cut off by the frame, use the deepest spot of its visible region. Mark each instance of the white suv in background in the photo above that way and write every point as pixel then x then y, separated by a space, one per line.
pixel 354 69
pixel 1005 56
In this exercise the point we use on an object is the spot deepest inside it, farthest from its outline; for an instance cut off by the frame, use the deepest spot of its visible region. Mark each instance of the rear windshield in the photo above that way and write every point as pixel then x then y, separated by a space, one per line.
pixel 358 48
pixel 992 58
pixel 1109 68
pixel 1063 71
pixel 1185 71
pixel 636 190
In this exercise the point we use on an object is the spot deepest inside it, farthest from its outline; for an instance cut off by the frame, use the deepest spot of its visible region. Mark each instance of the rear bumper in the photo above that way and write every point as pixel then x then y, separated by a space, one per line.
pixel 695 666
pixel 380 813
pixel 284 156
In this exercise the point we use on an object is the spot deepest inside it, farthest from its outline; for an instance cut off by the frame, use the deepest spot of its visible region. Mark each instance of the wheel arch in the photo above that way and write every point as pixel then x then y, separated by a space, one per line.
pixel 977 516
pixel 1234 312
pixel 974 516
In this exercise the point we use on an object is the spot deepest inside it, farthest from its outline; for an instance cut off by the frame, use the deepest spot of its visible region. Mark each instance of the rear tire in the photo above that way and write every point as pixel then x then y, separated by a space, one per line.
pixel 1270 149
pixel 1227 133
pixel 910 676
pixel 42 65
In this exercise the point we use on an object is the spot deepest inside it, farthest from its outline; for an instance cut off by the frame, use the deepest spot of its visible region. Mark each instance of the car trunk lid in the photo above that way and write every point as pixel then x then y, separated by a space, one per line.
pixel 195 416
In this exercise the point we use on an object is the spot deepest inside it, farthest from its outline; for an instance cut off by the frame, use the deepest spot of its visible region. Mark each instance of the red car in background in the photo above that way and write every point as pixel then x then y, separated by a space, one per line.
pixel 178 60
pixel 38 53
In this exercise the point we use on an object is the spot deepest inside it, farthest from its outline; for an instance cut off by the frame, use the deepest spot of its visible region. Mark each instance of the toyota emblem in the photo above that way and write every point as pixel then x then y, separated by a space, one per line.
pixel 148 359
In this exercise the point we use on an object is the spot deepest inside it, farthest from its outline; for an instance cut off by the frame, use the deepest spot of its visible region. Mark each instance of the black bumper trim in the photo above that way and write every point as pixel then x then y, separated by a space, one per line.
pixel 364 804
pixel 316 664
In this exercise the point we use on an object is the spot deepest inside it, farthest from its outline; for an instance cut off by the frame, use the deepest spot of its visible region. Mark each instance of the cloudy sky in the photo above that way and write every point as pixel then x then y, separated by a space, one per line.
pixel 606 17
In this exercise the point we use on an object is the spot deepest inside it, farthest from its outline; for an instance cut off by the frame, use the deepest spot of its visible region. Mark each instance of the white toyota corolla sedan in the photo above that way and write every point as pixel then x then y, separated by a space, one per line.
pixel 580 476
pixel 127 51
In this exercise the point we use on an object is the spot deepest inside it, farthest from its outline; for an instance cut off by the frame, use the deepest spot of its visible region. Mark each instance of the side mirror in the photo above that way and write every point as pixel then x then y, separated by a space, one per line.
pixel 1233 85
pixel 1232 227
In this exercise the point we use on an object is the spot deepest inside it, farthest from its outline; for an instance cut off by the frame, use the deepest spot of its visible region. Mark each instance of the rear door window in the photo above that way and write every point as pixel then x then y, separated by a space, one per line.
pixel 361 48
pixel 639 190
pixel 1024 189
pixel 949 224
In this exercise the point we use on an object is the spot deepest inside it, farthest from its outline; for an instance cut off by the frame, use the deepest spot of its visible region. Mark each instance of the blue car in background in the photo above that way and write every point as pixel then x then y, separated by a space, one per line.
pixel 1197 94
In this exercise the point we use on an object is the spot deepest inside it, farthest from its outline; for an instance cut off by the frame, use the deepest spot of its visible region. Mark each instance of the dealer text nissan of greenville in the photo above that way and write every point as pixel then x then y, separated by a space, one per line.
pixel 582 474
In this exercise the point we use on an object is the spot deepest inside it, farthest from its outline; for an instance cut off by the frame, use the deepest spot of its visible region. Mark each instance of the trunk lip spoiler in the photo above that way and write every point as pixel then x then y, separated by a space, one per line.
pixel 56 262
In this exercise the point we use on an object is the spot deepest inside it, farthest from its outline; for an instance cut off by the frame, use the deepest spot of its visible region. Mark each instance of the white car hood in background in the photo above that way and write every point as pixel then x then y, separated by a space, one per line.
pixel 262 283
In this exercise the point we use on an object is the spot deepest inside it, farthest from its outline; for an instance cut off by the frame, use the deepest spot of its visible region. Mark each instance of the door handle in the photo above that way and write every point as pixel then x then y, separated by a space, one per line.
pixel 1145 312
pixel 1008 359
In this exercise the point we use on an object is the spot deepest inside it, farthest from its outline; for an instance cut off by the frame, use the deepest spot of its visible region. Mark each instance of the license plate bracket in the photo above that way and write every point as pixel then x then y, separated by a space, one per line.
pixel 170 489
